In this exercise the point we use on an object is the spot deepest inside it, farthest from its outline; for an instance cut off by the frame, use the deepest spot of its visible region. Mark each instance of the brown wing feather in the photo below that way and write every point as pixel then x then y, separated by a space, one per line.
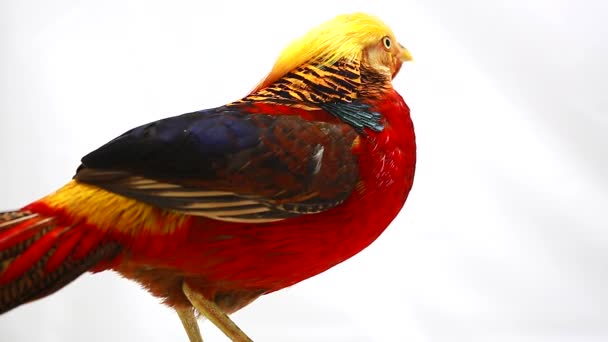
pixel 293 167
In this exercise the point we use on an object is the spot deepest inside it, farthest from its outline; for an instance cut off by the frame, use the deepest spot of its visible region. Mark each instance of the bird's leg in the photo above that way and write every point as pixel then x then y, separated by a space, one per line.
pixel 190 324
pixel 210 310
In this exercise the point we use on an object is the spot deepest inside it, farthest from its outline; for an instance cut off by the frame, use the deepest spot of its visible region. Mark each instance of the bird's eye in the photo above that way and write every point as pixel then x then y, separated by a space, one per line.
pixel 387 42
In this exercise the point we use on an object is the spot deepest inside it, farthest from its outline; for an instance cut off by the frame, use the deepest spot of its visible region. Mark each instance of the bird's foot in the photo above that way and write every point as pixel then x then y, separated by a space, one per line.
pixel 210 310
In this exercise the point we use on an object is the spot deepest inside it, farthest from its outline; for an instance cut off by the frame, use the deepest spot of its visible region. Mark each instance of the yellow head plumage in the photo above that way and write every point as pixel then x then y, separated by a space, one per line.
pixel 344 37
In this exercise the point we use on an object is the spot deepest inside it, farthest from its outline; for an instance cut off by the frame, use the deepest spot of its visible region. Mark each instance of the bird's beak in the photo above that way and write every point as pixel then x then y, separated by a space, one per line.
pixel 404 54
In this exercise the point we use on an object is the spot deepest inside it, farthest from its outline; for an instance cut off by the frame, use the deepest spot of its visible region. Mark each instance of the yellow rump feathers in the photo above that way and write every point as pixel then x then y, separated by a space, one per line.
pixel 343 37
pixel 109 211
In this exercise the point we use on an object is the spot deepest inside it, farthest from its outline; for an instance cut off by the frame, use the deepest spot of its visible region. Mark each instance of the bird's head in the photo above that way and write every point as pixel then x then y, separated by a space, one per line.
pixel 356 37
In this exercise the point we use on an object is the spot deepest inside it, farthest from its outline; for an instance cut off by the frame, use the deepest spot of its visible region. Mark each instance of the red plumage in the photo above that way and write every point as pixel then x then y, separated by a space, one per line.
pixel 275 255
pixel 226 256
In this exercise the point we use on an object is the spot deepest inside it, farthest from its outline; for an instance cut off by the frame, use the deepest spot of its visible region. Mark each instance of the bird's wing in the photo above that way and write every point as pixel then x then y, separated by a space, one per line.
pixel 230 165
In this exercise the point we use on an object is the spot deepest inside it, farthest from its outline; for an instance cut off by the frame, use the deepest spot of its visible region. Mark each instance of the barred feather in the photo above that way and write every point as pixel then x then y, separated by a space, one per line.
pixel 39 255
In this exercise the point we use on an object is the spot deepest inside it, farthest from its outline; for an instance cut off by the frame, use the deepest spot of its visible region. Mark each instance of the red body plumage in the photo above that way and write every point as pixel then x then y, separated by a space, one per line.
pixel 229 256
pixel 274 255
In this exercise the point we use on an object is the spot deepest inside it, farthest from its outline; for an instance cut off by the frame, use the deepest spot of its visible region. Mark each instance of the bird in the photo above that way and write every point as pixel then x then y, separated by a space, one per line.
pixel 211 209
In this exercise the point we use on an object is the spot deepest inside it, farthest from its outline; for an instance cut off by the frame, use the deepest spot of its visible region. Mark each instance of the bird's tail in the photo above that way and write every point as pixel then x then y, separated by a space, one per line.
pixel 40 254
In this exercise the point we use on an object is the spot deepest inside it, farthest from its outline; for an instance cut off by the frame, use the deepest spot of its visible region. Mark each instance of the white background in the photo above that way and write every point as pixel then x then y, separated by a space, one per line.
pixel 503 237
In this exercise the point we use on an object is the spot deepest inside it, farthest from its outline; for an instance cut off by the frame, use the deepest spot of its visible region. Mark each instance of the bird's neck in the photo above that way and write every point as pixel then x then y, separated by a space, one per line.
pixel 310 85
pixel 341 91
pixel 313 84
